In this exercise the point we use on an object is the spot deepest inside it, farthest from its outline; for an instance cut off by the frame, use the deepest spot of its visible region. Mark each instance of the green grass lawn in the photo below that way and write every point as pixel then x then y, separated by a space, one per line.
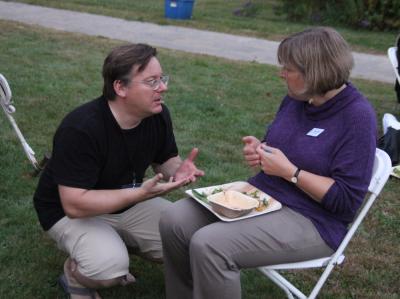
pixel 214 102
pixel 217 15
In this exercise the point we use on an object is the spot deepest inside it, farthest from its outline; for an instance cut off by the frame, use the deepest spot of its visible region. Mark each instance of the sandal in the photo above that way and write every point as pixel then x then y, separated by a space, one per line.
pixel 63 281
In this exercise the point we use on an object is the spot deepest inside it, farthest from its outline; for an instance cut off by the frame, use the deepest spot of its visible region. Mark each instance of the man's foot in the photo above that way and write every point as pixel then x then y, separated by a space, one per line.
pixel 128 279
pixel 72 287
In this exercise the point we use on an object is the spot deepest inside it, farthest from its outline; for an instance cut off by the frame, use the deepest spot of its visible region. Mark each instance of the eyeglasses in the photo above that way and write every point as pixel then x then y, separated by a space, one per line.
pixel 154 84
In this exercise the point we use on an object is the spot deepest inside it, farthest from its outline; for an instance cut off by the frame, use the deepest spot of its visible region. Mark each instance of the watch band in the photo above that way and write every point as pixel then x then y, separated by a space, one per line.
pixel 295 176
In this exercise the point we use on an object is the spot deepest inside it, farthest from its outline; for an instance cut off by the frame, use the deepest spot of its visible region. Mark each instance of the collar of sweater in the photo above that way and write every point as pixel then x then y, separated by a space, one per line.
pixel 334 105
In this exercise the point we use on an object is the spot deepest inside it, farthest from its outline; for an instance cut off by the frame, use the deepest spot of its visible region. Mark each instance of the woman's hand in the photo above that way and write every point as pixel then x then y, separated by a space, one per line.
pixel 250 151
pixel 274 162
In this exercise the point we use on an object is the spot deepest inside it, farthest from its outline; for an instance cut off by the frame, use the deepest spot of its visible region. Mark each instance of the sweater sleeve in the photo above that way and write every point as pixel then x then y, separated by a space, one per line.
pixel 352 164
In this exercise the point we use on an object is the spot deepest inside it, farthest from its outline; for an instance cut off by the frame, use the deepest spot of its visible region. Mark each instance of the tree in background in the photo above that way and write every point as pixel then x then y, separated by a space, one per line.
pixel 370 14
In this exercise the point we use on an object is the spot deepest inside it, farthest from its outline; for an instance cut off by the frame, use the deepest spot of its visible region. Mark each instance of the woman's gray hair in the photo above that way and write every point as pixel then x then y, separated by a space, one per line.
pixel 323 57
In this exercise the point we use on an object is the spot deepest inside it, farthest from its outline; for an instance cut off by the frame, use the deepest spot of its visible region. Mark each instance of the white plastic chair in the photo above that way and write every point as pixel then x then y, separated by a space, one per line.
pixel 381 172
pixel 393 60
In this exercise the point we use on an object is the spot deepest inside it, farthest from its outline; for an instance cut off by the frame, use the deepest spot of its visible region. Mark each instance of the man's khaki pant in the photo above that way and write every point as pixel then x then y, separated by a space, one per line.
pixel 99 244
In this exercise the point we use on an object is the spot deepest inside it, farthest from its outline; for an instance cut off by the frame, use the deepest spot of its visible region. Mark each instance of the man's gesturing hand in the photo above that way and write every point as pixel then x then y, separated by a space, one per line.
pixel 188 170
pixel 154 187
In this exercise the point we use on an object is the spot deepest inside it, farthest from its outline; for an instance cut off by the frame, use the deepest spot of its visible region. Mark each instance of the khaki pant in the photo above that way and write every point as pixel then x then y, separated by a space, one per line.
pixel 99 244
pixel 203 256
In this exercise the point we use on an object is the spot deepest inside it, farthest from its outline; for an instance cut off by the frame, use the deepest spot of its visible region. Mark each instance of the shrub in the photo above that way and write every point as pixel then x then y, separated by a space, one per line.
pixel 371 14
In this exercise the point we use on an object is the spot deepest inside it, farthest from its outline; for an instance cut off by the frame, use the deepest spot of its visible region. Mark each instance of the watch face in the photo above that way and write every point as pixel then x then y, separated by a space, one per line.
pixel 294 178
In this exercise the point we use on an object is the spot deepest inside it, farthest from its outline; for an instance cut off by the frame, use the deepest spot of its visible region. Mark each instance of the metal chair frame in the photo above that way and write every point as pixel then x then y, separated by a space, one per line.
pixel 381 172
pixel 393 60
pixel 9 109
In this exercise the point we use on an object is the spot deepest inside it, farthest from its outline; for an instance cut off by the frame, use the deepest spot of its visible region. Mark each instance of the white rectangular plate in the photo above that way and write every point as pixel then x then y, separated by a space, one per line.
pixel 273 204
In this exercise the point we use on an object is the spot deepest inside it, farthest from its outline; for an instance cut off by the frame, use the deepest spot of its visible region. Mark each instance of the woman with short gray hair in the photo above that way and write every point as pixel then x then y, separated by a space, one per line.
pixel 316 158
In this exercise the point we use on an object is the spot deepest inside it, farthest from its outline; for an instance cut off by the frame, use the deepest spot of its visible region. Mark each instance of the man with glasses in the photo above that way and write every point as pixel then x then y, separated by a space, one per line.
pixel 92 198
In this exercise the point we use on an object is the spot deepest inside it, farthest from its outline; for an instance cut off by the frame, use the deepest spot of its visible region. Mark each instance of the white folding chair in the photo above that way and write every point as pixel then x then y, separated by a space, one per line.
pixel 381 172
pixel 8 108
pixel 393 60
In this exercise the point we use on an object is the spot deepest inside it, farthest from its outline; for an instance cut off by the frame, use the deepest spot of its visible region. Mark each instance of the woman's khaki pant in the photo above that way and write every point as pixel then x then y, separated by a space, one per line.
pixel 203 256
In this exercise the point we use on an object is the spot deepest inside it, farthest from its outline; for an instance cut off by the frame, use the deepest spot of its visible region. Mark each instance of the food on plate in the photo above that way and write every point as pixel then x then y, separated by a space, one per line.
pixel 232 203
pixel 202 196
pixel 238 187
pixel 262 205
pixel 222 200
pixel 254 194
pixel 217 190
pixel 263 202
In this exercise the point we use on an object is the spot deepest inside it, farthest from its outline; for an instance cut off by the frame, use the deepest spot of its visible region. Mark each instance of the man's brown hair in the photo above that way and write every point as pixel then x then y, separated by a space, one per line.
pixel 120 63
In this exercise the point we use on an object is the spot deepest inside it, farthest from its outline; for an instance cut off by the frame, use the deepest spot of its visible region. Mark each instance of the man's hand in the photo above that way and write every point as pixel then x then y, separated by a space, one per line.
pixel 250 151
pixel 154 187
pixel 188 170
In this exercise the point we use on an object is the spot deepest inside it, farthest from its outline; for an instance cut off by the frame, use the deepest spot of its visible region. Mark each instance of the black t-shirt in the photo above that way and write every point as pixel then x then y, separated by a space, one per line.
pixel 91 151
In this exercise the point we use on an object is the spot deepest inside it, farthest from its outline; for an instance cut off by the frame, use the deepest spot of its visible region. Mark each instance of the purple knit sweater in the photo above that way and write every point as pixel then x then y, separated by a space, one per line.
pixel 344 151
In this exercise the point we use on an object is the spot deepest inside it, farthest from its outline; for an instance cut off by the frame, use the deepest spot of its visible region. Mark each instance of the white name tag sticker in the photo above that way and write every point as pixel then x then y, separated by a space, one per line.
pixel 315 132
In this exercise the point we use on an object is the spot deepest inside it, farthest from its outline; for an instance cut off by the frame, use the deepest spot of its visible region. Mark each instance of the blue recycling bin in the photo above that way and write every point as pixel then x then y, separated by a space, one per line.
pixel 179 9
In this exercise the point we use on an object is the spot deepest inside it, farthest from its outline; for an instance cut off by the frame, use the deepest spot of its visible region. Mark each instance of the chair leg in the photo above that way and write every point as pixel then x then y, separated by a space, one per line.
pixel 283 283
pixel 289 294
pixel 321 281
